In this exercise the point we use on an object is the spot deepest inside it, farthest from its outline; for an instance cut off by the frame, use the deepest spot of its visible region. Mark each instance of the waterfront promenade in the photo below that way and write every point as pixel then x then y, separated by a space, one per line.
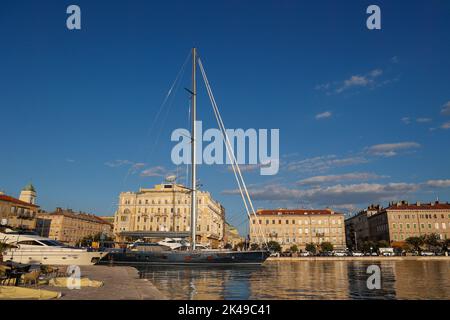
pixel 119 283
pixel 368 258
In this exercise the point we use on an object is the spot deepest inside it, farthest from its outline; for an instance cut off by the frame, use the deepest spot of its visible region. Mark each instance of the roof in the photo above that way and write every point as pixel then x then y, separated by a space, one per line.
pixel 71 214
pixel 4 197
pixel 419 206
pixel 296 212
pixel 29 187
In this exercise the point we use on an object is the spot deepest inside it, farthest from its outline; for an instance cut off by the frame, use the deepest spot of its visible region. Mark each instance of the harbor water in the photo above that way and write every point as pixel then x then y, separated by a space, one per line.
pixel 405 279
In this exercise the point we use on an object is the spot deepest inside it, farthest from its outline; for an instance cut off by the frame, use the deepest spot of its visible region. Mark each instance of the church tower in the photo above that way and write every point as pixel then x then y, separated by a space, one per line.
pixel 28 194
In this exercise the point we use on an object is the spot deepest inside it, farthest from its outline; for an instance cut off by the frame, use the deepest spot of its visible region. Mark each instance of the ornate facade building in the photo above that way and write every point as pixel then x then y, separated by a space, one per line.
pixel 19 213
pixel 165 210
pixel 298 227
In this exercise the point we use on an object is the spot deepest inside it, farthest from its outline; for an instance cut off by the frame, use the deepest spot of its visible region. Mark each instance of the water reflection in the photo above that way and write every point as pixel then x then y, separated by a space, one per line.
pixel 304 280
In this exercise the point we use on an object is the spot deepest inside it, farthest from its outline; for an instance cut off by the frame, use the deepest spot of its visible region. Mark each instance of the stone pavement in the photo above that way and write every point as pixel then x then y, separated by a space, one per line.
pixel 120 283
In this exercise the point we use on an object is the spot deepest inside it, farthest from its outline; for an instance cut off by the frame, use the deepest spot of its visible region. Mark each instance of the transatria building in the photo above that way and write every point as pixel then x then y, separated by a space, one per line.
pixel 298 227
pixel 164 211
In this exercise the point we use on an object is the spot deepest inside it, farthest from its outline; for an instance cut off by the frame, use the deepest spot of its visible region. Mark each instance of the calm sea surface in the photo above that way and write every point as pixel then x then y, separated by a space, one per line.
pixel 304 280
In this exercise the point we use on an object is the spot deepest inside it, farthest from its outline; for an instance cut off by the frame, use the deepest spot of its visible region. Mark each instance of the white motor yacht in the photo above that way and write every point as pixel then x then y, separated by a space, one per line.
pixel 29 248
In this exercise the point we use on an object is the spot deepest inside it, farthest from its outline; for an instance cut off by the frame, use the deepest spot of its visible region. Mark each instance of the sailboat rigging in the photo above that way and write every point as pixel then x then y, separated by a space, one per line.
pixel 194 256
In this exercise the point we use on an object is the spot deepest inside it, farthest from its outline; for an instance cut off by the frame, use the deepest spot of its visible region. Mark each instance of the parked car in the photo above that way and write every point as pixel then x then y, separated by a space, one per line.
pixel 340 254
pixel 427 253
pixel 275 254
pixel 374 254
pixel 305 254
pixel 357 254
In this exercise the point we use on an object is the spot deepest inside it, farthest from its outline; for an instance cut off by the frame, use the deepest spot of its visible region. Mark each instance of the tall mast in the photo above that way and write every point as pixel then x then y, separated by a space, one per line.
pixel 193 153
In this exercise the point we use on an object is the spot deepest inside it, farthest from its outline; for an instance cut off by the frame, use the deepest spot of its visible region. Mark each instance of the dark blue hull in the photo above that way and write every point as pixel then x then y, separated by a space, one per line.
pixel 186 257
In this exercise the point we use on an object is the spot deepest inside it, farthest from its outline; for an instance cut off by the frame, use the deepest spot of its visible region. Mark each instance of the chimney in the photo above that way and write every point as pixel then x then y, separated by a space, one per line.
pixel 418 203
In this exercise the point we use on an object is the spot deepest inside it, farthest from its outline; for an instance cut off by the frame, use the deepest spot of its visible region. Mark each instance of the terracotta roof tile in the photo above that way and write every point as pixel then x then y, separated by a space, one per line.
pixel 6 198
pixel 420 206
pixel 296 212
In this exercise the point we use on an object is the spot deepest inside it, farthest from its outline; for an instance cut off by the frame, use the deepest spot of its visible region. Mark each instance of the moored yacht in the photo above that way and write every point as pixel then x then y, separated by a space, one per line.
pixel 29 248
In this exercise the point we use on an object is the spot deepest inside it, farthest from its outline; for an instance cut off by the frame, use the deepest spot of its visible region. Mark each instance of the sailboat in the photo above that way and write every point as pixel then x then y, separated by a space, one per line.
pixel 195 255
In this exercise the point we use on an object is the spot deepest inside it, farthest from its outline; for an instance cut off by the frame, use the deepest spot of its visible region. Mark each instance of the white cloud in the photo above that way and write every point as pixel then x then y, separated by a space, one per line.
pixel 158 171
pixel 446 125
pixel 354 81
pixel 70 160
pixel 406 120
pixel 445 183
pixel 391 149
pixel 394 59
pixel 324 115
pixel 376 73
pixel 322 163
pixel 354 176
pixel 423 120
pixel 118 163
pixel 339 195
pixel 446 109
pixel 361 193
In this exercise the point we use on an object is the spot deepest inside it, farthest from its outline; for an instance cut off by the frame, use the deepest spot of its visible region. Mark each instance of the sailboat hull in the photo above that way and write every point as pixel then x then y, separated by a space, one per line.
pixel 187 257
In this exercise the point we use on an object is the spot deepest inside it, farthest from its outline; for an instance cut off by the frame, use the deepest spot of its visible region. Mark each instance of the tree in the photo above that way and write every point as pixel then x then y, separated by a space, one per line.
pixel 369 246
pixel 228 246
pixel 254 246
pixel 383 244
pixel 293 248
pixel 326 247
pixel 415 242
pixel 273 246
pixel 311 248
pixel 446 245
pixel 432 240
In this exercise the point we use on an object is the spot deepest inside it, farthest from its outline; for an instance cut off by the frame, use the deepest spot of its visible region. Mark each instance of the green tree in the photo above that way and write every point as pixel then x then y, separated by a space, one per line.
pixel 383 244
pixel 446 245
pixel 254 246
pixel 274 246
pixel 294 248
pixel 369 246
pixel 228 246
pixel 415 242
pixel 311 248
pixel 432 240
pixel 326 247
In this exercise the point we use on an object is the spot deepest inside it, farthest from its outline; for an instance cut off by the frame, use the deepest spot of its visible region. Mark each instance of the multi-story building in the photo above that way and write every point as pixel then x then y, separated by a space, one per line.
pixel 165 211
pixel 232 236
pixel 299 227
pixel 402 220
pixel 70 227
pixel 19 213
pixel 357 228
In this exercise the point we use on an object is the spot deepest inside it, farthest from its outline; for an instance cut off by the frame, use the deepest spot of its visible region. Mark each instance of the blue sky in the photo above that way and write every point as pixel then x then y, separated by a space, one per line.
pixel 363 115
